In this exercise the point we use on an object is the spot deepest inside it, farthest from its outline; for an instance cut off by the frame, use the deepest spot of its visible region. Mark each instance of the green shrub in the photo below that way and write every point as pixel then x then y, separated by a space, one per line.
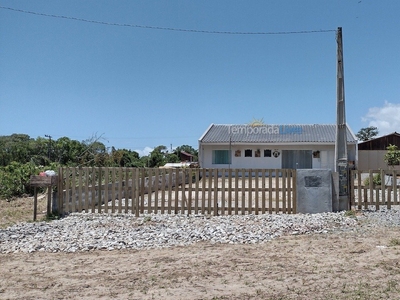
pixel 15 179
pixel 376 180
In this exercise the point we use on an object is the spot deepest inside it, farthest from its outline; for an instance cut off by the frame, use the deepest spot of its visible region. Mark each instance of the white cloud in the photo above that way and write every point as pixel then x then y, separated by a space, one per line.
pixel 386 118
pixel 146 151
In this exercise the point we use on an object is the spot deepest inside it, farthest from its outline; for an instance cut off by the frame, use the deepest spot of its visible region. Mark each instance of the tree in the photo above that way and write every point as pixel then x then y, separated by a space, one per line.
pixel 367 133
pixel 67 151
pixel 156 158
pixel 124 158
pixel 172 158
pixel 392 157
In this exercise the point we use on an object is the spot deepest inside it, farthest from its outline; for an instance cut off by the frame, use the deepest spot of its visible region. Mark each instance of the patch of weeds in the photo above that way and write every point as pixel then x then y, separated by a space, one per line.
pixel 51 217
pixel 350 213
pixel 394 242
pixel 146 219
pixel 391 286
pixel 363 291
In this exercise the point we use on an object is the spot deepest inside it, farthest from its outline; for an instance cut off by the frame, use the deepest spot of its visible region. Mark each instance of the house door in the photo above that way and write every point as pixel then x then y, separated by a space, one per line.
pixel 296 159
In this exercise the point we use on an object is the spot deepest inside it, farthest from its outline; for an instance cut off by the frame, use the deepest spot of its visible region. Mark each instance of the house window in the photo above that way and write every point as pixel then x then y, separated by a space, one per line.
pixel 248 153
pixel 221 157
pixel 267 153
pixel 257 153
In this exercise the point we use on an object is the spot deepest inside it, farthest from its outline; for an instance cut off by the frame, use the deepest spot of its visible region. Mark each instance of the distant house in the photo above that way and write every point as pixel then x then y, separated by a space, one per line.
pixel 272 146
pixel 185 156
pixel 372 152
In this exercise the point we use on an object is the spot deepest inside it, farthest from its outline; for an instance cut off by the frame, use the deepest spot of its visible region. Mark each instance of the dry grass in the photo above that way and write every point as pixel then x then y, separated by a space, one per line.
pixel 21 210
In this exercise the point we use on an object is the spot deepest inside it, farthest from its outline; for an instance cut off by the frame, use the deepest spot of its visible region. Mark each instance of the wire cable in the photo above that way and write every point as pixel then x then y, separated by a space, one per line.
pixel 166 28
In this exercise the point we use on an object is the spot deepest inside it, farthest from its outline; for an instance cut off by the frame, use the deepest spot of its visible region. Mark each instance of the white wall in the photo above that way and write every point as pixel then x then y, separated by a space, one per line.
pixel 373 160
pixel 325 161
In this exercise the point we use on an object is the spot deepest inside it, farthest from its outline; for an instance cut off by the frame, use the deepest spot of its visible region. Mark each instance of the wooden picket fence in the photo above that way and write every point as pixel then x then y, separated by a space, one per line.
pixel 367 193
pixel 172 191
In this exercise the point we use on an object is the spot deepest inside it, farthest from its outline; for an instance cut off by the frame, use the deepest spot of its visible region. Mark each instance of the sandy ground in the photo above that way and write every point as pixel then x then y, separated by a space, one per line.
pixel 341 265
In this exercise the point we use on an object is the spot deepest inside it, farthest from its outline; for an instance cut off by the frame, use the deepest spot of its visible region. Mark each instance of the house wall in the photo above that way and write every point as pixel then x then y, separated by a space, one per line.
pixel 373 160
pixel 326 159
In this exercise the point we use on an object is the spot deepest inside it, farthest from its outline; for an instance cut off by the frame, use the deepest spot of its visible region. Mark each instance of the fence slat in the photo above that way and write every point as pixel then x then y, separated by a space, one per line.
pixel 289 191
pixel 263 174
pixel 190 186
pixel 359 186
pixel 215 192
pixel 250 193
pixel 256 198
pixel 394 182
pixel 182 176
pixel 270 191
pixel 371 188
pixel 149 190
pixel 163 188
pixel 142 183
pixel 294 191
pixel 243 192
pixel 106 189
pixel 277 185
pixel 222 208
pixel 196 191
pixel 229 191
pixel 99 185
pixel 176 200
pixel 126 189
pixel 383 190
pixel 60 188
pixel 80 207
pixel 113 196
pixel 156 187
pixel 284 204
pixel 73 190
pixel 236 192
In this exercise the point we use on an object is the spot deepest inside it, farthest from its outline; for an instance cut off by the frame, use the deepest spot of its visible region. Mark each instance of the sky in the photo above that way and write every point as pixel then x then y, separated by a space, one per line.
pixel 136 85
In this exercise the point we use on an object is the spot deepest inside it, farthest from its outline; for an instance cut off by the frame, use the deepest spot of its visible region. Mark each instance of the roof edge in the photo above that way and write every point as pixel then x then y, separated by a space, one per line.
pixel 207 130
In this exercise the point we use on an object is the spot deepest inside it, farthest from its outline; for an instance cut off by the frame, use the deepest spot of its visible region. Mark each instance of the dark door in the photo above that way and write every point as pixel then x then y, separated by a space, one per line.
pixel 296 159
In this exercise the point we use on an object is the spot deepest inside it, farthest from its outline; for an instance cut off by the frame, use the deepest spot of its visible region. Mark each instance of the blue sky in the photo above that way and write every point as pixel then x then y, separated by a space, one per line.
pixel 138 88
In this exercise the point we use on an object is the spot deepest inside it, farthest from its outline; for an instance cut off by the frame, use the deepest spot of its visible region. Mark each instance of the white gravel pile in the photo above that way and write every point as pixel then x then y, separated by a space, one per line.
pixel 84 232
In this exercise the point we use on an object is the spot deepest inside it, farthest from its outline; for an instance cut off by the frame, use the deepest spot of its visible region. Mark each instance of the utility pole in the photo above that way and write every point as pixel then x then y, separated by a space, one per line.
pixel 49 147
pixel 341 159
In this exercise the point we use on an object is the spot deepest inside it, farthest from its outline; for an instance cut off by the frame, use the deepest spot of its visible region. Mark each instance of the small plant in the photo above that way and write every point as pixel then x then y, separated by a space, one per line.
pixel 394 242
pixel 392 157
pixel 391 286
pixel 52 216
pixel 350 213
pixel 376 180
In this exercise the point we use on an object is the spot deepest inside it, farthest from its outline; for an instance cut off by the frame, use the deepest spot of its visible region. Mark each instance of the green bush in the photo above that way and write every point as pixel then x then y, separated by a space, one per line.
pixel 15 179
pixel 376 180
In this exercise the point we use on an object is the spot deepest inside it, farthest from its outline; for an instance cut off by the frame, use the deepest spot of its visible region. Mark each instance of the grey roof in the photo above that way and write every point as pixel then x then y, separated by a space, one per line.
pixel 316 133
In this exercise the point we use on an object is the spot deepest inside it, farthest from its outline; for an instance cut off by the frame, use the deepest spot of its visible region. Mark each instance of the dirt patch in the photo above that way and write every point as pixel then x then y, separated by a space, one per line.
pixel 361 264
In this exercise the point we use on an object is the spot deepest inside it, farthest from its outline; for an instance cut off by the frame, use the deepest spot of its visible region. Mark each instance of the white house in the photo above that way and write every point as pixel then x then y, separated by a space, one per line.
pixel 272 146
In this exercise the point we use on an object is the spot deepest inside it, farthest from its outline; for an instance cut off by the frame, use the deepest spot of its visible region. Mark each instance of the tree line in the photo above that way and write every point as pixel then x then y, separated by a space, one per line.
pixel 22 156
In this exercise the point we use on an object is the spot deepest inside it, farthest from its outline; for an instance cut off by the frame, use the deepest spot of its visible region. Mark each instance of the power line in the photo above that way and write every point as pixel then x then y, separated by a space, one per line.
pixel 167 28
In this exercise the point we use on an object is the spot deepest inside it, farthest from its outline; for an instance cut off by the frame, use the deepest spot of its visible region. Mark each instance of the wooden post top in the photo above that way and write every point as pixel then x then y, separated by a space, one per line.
pixel 43 181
